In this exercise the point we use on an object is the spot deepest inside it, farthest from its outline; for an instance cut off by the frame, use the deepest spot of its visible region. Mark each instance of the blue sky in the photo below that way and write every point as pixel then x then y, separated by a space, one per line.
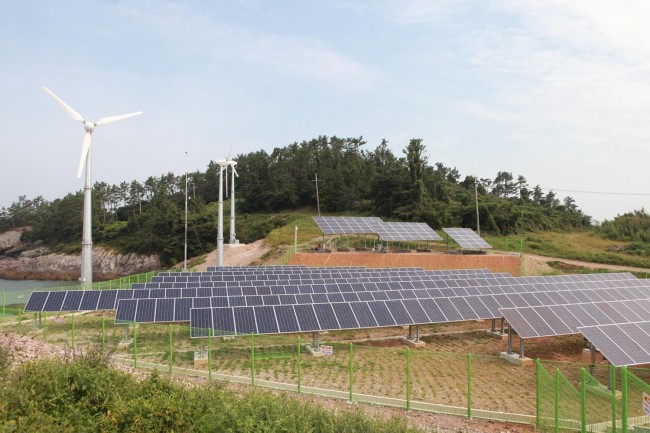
pixel 558 91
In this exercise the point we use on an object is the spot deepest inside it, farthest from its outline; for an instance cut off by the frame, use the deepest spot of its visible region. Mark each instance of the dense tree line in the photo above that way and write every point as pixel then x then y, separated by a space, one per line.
pixel 148 216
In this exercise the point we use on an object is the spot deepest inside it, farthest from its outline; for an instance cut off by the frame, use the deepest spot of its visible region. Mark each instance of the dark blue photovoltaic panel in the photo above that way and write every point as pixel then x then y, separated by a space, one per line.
pixel 464 309
pixel 326 316
pixel 381 296
pixel 399 313
pixel 107 300
pixel 254 300
pixel 416 311
pixel 479 308
pixel 319 298
pixel 449 310
pixel 89 300
pixel 72 300
pixel 306 318
pixel 201 320
pixel 36 301
pixel 223 321
pixel 245 320
pixel 140 294
pixel 366 296
pixel 381 313
pixel 286 316
pixel 363 314
pixel 237 301
pixel 201 302
pixel 182 307
pixel 271 300
pixel 345 316
pixel 433 311
pixel 54 301
pixel 219 301
pixel 126 310
pixel 266 321
pixel 165 310
pixel 124 294
pixel 146 310
pixel 201 292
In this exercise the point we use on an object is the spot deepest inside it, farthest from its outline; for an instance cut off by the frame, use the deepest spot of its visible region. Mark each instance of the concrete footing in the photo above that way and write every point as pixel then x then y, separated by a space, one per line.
pixel 315 351
pixel 200 358
pixel 496 334
pixel 514 358
pixel 414 343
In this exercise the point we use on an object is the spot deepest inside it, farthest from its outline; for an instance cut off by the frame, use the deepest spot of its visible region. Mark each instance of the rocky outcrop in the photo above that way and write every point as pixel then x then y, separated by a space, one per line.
pixel 34 262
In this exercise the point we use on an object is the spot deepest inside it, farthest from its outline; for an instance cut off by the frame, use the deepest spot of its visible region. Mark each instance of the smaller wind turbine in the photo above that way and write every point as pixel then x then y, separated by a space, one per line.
pixel 86 150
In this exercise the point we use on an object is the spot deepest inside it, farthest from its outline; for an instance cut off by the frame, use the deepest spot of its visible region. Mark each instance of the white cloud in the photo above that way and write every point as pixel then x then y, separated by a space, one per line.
pixel 204 34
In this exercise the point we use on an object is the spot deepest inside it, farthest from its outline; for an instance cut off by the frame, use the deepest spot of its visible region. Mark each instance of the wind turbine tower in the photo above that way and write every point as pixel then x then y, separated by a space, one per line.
pixel 223 165
pixel 232 165
pixel 86 151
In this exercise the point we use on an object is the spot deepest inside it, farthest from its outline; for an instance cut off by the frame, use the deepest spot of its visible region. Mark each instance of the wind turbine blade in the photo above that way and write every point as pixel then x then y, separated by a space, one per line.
pixel 66 107
pixel 85 147
pixel 235 171
pixel 107 120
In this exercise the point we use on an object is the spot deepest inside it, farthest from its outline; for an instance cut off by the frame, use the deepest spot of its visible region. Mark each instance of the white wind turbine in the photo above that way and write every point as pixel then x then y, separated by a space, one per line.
pixel 86 150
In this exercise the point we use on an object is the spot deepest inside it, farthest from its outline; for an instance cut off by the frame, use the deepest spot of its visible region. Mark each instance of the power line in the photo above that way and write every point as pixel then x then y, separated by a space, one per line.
pixel 598 192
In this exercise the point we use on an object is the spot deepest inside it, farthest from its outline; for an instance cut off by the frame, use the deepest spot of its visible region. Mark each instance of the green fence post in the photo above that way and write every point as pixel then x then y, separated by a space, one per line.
pixel 72 331
pixel 408 379
pixel 521 257
pixel 538 367
pixel 252 359
pixel 171 349
pixel 612 373
pixel 103 332
pixel 298 365
pixel 624 399
pixel 210 353
pixel 557 400
pixel 135 344
pixel 583 400
pixel 469 385
pixel 351 372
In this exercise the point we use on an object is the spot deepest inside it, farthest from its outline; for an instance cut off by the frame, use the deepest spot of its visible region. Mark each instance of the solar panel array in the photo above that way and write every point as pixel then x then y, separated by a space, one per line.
pixel 407 231
pixel 297 299
pixel 387 231
pixel 466 238
pixel 553 320
pixel 622 344
pixel 347 225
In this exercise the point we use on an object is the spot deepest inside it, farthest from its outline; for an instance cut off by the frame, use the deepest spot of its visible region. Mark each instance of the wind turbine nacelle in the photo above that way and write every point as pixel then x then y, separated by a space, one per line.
pixel 89 126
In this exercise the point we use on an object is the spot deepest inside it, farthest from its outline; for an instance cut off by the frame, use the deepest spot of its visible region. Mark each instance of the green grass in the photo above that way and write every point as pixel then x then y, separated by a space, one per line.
pixel 585 246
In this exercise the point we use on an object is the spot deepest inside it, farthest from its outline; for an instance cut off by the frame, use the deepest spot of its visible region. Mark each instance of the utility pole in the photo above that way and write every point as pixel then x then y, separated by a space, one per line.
pixel 478 223
pixel 317 198
pixel 185 255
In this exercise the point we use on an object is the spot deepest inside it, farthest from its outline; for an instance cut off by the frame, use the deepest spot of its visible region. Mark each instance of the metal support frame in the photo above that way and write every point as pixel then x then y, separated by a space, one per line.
pixel 521 348
pixel 502 325
pixel 494 323
pixel 417 333
pixel 315 343
pixel 509 339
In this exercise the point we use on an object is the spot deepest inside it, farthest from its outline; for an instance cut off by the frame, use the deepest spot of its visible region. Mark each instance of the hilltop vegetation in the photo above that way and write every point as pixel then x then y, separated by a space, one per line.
pixel 148 217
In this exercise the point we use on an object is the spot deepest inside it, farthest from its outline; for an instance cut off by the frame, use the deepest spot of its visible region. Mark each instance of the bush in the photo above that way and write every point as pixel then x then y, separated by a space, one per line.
pixel 87 395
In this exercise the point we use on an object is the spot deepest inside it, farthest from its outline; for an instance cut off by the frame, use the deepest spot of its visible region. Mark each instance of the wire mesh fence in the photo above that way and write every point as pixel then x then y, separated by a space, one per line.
pixel 556 396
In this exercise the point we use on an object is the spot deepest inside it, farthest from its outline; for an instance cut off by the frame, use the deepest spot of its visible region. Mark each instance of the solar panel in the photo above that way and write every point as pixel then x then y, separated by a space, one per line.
pixel 346 225
pixel 406 231
pixel 621 344
pixel 466 238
